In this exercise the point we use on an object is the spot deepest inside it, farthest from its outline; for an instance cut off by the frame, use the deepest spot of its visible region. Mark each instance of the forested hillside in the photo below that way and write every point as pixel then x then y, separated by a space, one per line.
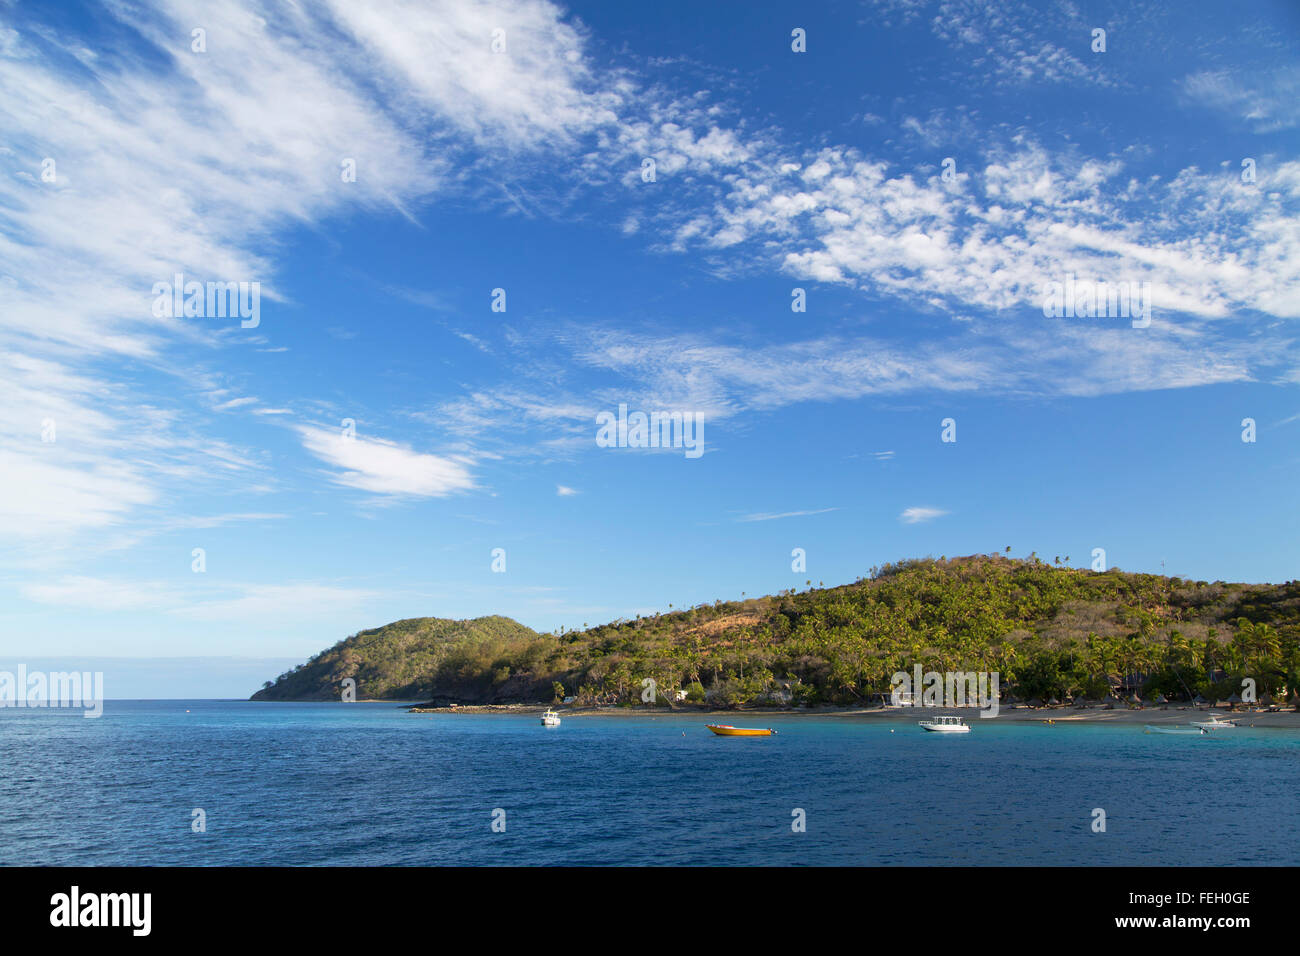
pixel 406 660
pixel 1048 629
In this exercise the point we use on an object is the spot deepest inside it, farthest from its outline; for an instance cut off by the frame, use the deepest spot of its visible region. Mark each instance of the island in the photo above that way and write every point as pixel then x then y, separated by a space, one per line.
pixel 1052 633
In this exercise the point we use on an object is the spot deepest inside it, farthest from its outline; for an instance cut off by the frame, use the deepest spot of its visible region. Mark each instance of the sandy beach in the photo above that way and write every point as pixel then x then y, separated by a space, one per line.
pixel 1173 714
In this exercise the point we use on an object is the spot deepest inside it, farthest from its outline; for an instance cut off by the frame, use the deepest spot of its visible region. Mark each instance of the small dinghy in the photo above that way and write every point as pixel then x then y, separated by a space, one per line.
pixel 726 730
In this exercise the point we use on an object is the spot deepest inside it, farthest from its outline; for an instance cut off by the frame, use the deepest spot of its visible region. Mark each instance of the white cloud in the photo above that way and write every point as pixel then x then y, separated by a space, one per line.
pixel 785 514
pixel 728 382
pixel 1014 42
pixel 386 468
pixel 235 403
pixel 263 602
pixel 99 594
pixel 1266 99
pixel 437 55
pixel 564 491
pixel 1208 245
pixel 255 603
pixel 413 92
pixel 916 515
pixel 266 116
pixel 216 521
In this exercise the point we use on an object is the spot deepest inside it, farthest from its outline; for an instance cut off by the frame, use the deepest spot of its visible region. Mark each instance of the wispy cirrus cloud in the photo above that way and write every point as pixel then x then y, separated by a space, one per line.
pixel 918 515
pixel 100 594
pixel 1266 99
pixel 233 403
pixel 511 74
pixel 92 213
pixel 728 381
pixel 261 602
pixel 386 468
pixel 415 95
pixel 255 602
pixel 773 516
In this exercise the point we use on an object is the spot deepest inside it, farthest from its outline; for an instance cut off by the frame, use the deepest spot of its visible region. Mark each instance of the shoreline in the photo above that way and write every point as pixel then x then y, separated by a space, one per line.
pixel 1057 715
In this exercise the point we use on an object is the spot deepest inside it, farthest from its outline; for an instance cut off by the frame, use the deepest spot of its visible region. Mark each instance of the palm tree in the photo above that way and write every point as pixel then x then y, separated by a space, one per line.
pixel 1243 643
pixel 1265 644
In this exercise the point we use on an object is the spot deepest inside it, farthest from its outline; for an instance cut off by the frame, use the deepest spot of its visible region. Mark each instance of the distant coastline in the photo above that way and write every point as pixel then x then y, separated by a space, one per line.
pixel 1056 715
pixel 1041 632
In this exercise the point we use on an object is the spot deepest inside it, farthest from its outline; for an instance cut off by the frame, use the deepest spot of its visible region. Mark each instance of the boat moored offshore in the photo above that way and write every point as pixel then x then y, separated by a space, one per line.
pixel 1216 722
pixel 550 719
pixel 945 725
pixel 726 730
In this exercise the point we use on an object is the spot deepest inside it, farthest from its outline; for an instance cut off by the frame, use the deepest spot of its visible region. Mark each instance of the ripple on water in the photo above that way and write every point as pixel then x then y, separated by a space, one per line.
pixel 322 784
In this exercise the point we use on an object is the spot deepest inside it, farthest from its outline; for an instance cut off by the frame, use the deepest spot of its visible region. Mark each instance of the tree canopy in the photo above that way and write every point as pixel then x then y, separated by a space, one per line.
pixel 1047 629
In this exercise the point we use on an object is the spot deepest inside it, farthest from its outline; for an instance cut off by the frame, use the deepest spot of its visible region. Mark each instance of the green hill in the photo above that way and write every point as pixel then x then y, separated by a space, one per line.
pixel 1046 628
pixel 417 658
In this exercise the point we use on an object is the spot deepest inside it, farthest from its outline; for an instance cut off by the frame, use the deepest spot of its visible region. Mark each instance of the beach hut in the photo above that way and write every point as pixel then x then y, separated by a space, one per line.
pixel 1162 700
pixel 1135 701
pixel 1035 702
pixel 1053 702
pixel 1010 702
pixel 1199 701
pixel 1110 701
pixel 1233 701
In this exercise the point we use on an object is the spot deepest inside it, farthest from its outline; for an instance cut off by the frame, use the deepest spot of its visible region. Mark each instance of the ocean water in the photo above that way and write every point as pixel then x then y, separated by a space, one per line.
pixel 369 784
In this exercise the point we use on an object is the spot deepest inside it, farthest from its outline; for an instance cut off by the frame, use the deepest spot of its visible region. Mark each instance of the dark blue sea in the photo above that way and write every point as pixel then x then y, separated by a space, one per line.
pixel 369 784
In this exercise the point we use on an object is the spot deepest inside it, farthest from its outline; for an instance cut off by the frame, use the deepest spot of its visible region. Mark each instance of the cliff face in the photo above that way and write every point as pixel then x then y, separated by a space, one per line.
pixel 1047 629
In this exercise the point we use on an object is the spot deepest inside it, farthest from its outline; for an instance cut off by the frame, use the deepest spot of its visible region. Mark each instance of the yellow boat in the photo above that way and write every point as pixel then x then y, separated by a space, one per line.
pixel 726 730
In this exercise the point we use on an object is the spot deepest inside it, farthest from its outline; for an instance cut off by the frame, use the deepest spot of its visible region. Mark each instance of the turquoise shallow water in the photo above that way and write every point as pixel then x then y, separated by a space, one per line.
pixel 322 784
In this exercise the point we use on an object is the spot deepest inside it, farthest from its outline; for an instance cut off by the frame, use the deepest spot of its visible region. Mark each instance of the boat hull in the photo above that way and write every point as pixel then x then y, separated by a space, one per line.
pixel 946 728
pixel 722 730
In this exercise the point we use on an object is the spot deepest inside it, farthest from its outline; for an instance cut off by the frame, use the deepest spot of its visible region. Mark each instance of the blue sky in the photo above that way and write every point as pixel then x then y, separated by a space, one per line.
pixel 522 170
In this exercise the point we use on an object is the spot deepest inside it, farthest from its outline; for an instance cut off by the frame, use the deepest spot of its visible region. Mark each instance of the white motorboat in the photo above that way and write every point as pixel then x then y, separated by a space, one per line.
pixel 1216 722
pixel 945 725
pixel 550 719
